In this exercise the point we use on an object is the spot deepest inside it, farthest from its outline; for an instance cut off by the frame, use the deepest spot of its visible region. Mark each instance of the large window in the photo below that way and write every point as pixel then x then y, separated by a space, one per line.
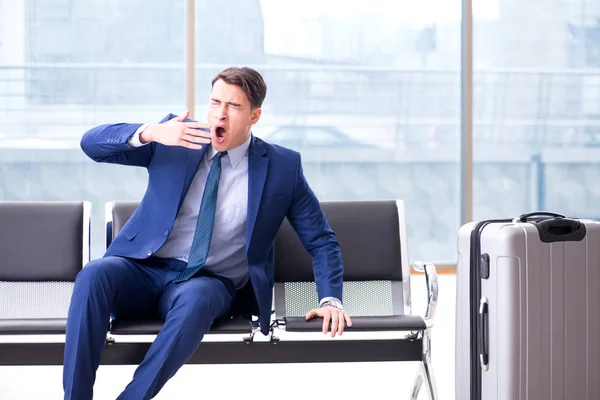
pixel 537 109
pixel 368 92
pixel 66 66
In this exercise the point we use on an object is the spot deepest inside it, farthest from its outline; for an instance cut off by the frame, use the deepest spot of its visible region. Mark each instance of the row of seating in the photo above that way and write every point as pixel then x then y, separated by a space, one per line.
pixel 43 245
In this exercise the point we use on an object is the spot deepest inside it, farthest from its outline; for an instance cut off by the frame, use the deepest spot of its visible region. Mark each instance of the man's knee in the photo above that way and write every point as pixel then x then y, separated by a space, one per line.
pixel 194 304
pixel 96 273
pixel 202 307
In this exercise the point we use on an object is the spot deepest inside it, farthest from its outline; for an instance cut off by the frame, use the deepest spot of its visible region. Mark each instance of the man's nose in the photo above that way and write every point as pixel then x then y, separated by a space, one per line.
pixel 221 114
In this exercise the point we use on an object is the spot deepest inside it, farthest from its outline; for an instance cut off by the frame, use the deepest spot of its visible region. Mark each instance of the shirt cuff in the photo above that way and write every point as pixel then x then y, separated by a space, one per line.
pixel 324 299
pixel 134 140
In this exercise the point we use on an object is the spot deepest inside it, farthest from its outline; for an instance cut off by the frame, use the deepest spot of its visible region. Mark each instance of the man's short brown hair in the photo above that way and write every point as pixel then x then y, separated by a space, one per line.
pixel 249 80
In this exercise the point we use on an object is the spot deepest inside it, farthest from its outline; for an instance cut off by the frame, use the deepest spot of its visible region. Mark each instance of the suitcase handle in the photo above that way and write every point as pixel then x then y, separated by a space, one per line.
pixel 524 217
pixel 556 227
pixel 484 357
pixel 561 230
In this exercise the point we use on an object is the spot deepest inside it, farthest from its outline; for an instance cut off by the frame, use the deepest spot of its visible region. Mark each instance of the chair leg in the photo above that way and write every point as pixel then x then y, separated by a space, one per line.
pixel 429 378
pixel 416 387
pixel 427 367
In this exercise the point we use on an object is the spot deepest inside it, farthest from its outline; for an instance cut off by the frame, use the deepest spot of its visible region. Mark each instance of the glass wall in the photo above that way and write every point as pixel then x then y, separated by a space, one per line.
pixel 66 66
pixel 537 109
pixel 368 92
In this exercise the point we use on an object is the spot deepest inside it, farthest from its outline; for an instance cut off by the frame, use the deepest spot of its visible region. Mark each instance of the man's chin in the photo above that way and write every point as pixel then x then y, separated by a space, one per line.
pixel 220 147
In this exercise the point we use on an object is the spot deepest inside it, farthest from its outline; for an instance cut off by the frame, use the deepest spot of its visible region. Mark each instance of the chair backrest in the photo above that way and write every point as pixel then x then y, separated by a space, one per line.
pixel 116 215
pixel 372 238
pixel 43 246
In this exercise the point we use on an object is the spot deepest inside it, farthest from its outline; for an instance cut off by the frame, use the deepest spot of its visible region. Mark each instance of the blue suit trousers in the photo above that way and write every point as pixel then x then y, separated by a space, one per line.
pixel 126 288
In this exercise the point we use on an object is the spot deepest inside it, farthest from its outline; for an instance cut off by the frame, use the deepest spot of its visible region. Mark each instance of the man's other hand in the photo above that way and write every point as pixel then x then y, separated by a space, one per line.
pixel 339 318
pixel 175 132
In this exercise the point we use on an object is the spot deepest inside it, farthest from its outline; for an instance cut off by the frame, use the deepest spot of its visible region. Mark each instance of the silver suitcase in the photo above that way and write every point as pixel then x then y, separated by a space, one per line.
pixel 528 309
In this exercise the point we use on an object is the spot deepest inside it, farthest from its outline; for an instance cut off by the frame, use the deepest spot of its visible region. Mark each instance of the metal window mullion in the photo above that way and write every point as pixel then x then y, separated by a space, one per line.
pixel 466 148
pixel 190 78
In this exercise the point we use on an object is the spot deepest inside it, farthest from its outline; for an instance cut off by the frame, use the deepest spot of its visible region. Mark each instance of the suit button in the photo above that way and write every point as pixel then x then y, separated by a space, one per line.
pixel 167 232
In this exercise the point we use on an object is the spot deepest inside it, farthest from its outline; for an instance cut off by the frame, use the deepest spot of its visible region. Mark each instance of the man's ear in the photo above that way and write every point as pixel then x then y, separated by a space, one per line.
pixel 255 115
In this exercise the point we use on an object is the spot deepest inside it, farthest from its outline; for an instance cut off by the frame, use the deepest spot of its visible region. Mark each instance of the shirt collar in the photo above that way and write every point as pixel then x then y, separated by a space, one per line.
pixel 234 155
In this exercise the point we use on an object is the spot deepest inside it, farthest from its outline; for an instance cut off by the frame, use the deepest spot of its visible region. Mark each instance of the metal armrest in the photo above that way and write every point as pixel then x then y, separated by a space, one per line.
pixel 431 280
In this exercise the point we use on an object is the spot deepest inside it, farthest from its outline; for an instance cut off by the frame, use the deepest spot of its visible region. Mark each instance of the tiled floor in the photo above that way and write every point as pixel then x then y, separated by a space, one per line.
pixel 294 381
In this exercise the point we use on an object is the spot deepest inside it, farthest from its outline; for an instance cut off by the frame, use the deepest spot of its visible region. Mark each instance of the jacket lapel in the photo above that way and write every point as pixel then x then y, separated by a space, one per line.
pixel 193 158
pixel 257 175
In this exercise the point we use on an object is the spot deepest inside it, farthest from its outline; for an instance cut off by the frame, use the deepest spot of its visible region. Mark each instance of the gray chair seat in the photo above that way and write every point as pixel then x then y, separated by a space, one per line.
pixel 360 324
pixel 34 326
pixel 152 327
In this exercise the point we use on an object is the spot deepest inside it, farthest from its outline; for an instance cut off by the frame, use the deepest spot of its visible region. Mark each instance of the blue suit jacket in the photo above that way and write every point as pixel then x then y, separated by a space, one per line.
pixel 277 189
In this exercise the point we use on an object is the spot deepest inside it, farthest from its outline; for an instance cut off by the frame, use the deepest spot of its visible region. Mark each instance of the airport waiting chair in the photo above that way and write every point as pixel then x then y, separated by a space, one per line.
pixel 376 294
pixel 45 245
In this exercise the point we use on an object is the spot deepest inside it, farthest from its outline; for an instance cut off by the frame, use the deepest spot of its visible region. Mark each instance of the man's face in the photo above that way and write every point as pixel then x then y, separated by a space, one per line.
pixel 230 116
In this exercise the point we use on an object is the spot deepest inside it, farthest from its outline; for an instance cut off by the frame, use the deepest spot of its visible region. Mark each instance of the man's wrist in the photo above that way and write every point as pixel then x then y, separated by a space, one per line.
pixel 135 139
pixel 332 302
pixel 146 133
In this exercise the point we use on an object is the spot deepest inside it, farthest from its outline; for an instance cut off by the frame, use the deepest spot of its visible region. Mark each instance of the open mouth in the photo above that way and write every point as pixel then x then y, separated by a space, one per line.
pixel 220 133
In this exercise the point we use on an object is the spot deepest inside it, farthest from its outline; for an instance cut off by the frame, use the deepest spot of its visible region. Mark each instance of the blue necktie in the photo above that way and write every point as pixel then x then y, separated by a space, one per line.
pixel 204 224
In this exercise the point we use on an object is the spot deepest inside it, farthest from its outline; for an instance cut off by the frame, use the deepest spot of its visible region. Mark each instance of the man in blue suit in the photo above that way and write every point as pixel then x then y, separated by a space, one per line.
pixel 202 233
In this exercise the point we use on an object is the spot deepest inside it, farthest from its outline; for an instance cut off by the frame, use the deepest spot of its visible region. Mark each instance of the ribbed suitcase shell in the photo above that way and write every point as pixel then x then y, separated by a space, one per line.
pixel 544 315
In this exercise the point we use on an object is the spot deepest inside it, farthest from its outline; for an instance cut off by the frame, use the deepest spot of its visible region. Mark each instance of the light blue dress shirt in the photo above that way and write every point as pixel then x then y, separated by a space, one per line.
pixel 227 252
